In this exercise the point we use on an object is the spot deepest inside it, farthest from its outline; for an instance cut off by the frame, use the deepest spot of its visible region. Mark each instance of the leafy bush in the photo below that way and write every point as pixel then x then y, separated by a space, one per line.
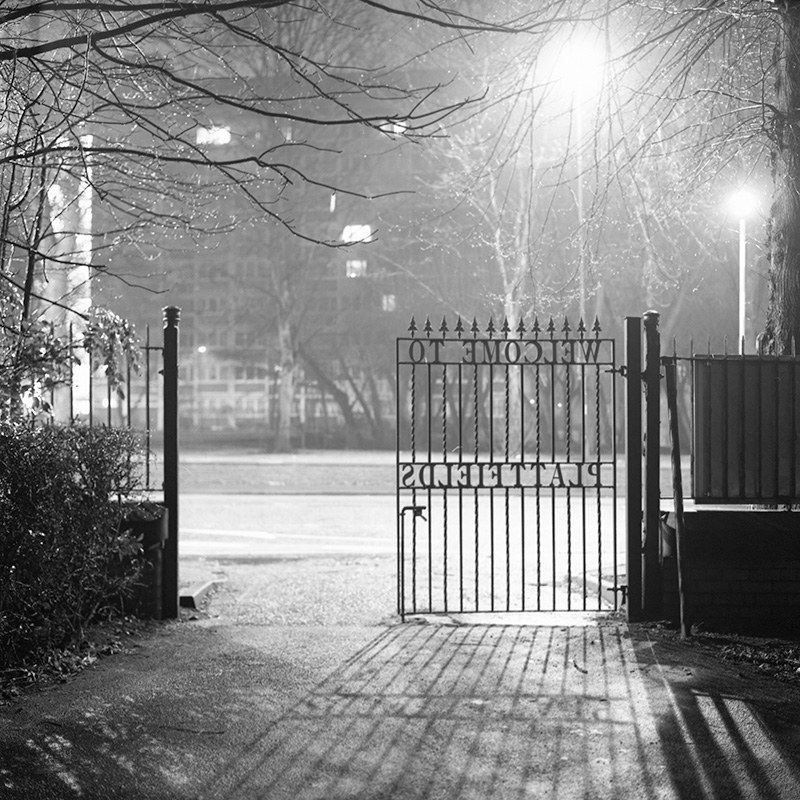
pixel 64 558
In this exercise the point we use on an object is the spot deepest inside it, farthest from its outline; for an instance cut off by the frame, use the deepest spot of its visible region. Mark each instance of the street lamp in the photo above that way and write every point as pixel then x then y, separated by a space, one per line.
pixel 742 204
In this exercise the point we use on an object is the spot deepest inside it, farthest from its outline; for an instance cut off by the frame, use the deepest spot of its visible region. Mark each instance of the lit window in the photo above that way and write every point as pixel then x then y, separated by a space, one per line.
pixel 389 302
pixel 214 135
pixel 356 267
pixel 357 233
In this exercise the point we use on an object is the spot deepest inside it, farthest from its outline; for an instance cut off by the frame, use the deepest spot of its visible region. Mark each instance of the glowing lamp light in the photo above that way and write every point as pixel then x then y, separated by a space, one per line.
pixel 202 349
pixel 743 203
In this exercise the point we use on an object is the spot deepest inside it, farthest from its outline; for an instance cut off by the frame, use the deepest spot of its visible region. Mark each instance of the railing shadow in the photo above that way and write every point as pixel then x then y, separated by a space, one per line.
pixel 463 711
pixel 718 730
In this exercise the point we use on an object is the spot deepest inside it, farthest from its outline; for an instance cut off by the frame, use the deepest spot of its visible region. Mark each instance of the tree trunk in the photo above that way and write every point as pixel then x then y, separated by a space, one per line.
pixel 783 317
pixel 283 437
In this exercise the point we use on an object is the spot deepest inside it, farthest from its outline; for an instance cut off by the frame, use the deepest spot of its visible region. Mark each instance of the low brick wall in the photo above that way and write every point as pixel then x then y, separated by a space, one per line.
pixel 742 571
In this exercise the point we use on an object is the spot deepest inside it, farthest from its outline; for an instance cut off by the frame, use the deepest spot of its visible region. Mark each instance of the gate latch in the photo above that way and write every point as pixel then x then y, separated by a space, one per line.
pixel 623 588
pixel 621 370
pixel 417 511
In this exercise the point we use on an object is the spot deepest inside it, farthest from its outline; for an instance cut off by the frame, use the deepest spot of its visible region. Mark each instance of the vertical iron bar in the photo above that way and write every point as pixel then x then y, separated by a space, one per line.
pixel 793 447
pixel 476 445
pixel 398 516
pixel 91 393
pixel 147 424
pixel 742 427
pixel 615 473
pixel 429 416
pixel 776 423
pixel 128 391
pixel 108 400
pixel 598 445
pixel 759 429
pixel 726 365
pixel 72 376
pixel 171 455
pixel 507 509
pixel 491 488
pixel 568 458
pixel 651 592
pixel 584 417
pixel 522 488
pixel 414 490
pixel 552 487
pixel 537 398
pixel 444 492
pixel 460 491
pixel 633 465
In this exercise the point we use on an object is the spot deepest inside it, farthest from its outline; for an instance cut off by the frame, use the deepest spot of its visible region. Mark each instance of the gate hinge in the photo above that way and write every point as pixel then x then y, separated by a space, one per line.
pixel 621 370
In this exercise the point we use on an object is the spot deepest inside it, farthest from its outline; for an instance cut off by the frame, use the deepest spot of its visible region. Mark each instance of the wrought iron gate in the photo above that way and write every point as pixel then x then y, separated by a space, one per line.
pixel 506 469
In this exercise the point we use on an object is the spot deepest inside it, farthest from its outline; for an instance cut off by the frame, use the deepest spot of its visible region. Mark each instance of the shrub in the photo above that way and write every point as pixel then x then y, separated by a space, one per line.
pixel 63 556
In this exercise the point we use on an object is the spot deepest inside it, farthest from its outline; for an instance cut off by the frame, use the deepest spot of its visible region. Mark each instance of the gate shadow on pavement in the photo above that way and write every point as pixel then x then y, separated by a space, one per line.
pixel 722 734
pixel 441 711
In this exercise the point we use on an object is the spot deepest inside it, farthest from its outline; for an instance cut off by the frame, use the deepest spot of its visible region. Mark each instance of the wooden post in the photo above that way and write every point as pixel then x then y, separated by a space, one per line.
pixel 670 370
pixel 170 582
pixel 633 465
pixel 651 589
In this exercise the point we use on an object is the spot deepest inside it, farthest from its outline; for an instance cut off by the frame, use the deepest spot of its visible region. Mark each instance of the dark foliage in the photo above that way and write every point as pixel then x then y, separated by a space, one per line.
pixel 64 558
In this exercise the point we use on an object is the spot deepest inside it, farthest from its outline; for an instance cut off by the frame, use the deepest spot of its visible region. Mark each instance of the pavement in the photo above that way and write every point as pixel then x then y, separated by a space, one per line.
pixel 297 680
pixel 331 697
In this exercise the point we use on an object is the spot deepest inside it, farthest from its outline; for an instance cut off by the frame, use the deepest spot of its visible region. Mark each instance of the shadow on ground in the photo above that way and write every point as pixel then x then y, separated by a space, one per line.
pixel 222 711
pixel 724 731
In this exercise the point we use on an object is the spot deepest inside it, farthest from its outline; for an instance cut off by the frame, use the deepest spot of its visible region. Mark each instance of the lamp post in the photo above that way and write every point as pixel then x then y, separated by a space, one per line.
pixel 743 204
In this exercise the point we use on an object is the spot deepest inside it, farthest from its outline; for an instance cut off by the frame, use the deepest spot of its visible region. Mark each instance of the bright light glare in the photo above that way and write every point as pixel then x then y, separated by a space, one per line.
pixel 743 202
pixel 202 349
pixel 576 64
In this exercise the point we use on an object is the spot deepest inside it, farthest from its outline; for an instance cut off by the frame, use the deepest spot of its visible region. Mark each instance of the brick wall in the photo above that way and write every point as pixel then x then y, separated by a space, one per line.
pixel 742 571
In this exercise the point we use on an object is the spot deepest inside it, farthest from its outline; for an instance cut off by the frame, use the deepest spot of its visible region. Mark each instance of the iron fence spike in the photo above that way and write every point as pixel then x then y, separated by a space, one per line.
pixel 443 328
pixel 537 328
pixel 475 328
pixel 459 329
pixel 412 327
pixel 428 328
pixel 565 328
pixel 551 327
pixel 521 327
pixel 596 329
pixel 505 328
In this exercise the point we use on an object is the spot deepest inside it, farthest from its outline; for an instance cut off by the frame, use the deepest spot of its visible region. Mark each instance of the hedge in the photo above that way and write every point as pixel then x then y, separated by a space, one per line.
pixel 63 559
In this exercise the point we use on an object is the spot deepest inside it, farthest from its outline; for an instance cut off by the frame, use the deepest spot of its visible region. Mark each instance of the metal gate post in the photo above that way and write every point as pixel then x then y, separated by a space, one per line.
pixel 651 589
pixel 633 465
pixel 170 563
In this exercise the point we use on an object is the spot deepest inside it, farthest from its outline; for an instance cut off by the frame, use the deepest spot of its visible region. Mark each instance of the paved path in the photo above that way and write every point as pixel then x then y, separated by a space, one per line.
pixel 216 709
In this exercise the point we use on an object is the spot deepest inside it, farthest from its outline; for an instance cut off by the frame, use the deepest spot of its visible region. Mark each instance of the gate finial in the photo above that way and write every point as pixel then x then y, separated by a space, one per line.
pixel 596 329
pixel 551 327
pixel 581 328
pixel 490 329
pixel 505 328
pixel 412 327
pixel 427 327
pixel 537 328
pixel 521 327
pixel 475 328
pixel 459 329
pixel 565 328
pixel 443 328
